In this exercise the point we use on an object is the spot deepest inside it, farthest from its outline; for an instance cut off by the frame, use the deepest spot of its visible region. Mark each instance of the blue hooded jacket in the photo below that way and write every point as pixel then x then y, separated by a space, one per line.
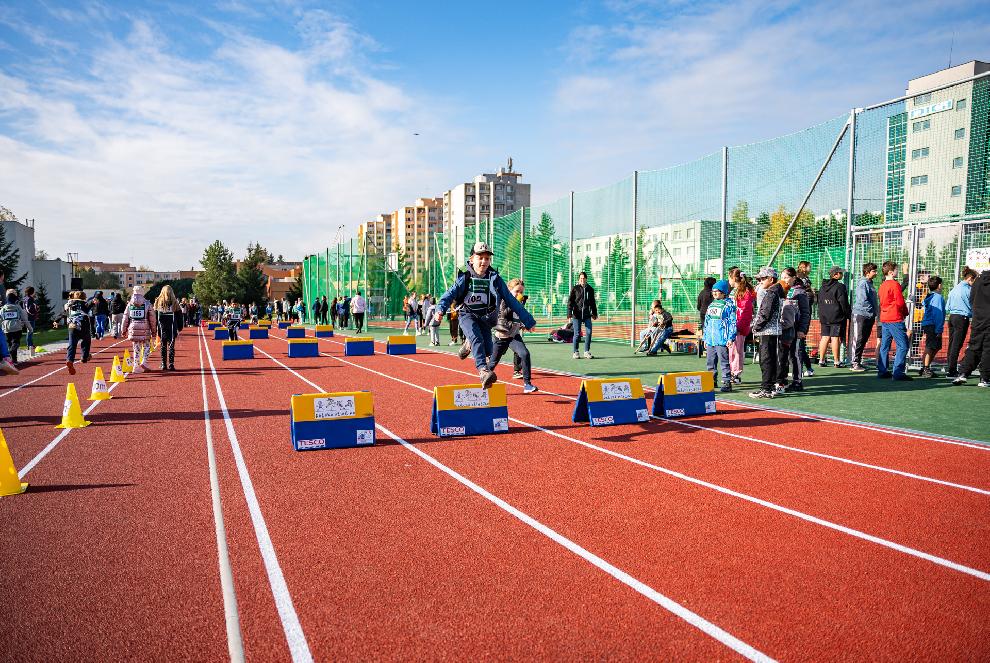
pixel 720 322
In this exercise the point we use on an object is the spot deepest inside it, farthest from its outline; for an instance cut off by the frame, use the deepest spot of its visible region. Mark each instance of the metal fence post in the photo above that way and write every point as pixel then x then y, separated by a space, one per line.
pixel 635 250
pixel 725 207
pixel 852 187
pixel 570 249
pixel 522 243
pixel 350 259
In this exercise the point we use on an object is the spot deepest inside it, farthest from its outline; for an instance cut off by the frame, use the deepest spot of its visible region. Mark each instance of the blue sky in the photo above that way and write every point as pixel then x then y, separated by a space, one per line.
pixel 143 131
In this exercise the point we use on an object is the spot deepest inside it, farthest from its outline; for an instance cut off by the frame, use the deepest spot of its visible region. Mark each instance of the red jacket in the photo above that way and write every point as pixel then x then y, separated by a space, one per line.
pixel 892 306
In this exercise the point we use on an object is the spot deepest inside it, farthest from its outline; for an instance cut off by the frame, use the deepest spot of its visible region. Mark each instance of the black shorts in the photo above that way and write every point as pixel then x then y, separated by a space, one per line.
pixel 835 331
pixel 933 339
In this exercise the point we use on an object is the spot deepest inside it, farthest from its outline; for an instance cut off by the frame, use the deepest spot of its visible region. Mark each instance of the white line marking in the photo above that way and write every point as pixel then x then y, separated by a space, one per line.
pixel 235 646
pixel 298 647
pixel 941 561
pixel 739 436
pixel 692 618
pixel 19 387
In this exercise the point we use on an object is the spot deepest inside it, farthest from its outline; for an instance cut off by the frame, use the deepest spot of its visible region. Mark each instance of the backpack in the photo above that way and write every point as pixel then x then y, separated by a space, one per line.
pixel 11 314
pixel 789 313
pixel 76 317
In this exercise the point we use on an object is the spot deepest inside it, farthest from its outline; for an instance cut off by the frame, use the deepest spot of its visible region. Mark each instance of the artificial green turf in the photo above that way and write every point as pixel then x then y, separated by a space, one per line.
pixel 931 405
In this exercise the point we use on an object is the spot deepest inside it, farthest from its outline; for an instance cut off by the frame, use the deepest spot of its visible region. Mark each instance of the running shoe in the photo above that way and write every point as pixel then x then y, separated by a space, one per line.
pixel 588 355
pixel 68 365
pixel 452 343
pixel 530 389
pixel 958 380
pixel 464 351
pixel 517 376
pixel 736 379
pixel 761 394
pixel 983 383
pixel 856 368
pixel 780 389
pixel 7 366
pixel 726 388
pixel 488 378
pixel 794 386
pixel 809 373
pixel 577 356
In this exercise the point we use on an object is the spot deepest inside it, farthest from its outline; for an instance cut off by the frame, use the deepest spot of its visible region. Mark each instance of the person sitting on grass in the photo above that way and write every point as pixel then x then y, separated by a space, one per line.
pixel 932 323
pixel 481 289
pixel 719 332
pixel 661 324
pixel 508 336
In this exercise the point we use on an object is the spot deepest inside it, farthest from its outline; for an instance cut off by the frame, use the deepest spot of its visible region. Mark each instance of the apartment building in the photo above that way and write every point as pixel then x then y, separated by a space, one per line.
pixel 380 234
pixel 468 208
pixel 415 227
pixel 937 149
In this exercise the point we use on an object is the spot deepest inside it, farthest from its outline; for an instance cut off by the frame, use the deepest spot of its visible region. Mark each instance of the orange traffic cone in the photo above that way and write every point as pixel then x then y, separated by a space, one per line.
pixel 72 416
pixel 100 391
pixel 10 484
pixel 117 375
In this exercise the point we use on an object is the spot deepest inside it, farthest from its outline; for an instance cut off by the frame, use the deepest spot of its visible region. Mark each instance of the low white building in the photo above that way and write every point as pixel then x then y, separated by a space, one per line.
pixel 55 275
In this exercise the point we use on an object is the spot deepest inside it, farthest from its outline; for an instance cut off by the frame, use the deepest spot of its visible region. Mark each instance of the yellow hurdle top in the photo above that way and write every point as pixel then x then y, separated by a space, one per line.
pixel 469 396
pixel 402 339
pixel 687 382
pixel 356 339
pixel 226 343
pixel 613 389
pixel 330 407
pixel 302 340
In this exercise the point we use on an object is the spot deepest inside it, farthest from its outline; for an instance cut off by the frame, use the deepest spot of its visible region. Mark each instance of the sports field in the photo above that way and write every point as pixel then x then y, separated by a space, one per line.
pixel 181 525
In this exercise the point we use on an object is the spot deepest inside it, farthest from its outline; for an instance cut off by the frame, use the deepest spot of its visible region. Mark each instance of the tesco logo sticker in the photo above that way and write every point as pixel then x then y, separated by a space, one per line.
pixel 452 430
pixel 316 443
pixel 602 421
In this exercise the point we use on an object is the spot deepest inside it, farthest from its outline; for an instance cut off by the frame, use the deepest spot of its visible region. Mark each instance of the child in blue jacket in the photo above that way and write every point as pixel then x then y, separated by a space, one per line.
pixel 720 331
pixel 932 323
pixel 479 291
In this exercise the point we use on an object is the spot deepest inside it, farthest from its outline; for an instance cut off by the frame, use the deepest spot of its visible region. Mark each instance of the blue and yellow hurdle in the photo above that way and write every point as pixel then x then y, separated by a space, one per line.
pixel 468 409
pixel 304 347
pixel 359 346
pixel 295 331
pixel 332 421
pixel 323 331
pixel 282 324
pixel 238 350
pixel 221 334
pixel 210 326
pixel 684 394
pixel 257 332
pixel 400 345
pixel 610 402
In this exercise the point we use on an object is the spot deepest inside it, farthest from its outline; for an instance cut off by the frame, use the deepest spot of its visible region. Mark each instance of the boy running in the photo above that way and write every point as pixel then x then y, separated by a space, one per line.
pixel 508 336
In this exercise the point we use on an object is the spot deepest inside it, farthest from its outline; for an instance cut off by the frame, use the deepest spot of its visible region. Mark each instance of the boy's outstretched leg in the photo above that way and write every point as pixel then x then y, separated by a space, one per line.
pixel 474 338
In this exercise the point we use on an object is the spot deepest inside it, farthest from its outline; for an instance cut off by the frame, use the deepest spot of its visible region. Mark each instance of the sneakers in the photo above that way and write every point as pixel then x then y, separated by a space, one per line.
pixel 903 378
pixel 809 373
pixel 464 351
pixel 960 379
pixel 578 356
pixel 780 389
pixel 737 379
pixel 68 365
pixel 726 388
pixel 7 366
pixel 984 384
pixel 762 394
pixel 856 368
pixel 452 343
pixel 648 354
pixel 794 386
pixel 926 373
pixel 530 388
pixel 488 378
pixel 517 376
pixel 841 364
pixel 588 355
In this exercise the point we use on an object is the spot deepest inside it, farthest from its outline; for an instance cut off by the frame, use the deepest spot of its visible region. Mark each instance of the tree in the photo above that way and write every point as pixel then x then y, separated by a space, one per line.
pixel 296 291
pixel 181 288
pixel 546 255
pixel 586 268
pixel 45 313
pixel 398 283
pixel 10 256
pixel 778 224
pixel 740 213
pixel 217 281
pixel 251 280
pixel 41 254
pixel 93 280
pixel 615 275
pixel 868 219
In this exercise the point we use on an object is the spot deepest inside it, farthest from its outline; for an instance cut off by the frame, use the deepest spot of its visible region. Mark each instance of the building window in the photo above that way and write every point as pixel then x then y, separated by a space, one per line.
pixel 957 190
pixel 690 232
pixel 921 125
pixel 960 133
pixel 919 180
pixel 918 207
pixel 919 153
pixel 598 261
pixel 677 251
pixel 961 105
pixel 922 99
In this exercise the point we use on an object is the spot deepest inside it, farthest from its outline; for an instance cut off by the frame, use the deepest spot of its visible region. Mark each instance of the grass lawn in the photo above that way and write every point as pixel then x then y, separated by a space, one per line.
pixel 929 405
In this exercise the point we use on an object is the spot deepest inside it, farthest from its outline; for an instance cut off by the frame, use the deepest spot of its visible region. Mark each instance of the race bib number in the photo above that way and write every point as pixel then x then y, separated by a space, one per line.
pixel 235 315
pixel 476 299
pixel 472 397
pixel 333 407
pixel 11 315
pixel 688 384
pixel 615 391
pixel 137 313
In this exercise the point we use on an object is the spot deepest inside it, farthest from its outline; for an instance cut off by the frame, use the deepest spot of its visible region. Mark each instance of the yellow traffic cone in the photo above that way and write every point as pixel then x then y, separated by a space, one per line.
pixel 72 416
pixel 100 391
pixel 10 484
pixel 127 366
pixel 117 375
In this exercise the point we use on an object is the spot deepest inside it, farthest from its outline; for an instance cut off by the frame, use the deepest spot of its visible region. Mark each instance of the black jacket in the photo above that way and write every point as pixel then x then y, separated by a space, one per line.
pixel 833 302
pixel 800 295
pixel 705 298
pixel 581 303
pixel 979 299
pixel 118 305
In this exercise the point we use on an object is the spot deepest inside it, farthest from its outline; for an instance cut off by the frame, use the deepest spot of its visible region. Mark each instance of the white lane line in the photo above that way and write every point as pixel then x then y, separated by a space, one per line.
pixel 692 618
pixel 235 646
pixel 296 639
pixel 26 384
pixel 941 561
pixel 738 436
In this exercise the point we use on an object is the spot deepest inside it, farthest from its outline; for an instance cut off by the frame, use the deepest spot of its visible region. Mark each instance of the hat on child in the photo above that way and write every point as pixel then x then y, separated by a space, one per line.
pixel 722 286
pixel 481 247
pixel 767 273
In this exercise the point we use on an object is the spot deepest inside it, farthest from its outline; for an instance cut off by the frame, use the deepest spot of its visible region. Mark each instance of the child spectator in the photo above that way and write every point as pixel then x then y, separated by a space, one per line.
pixel 139 325
pixel 745 306
pixel 77 321
pixel 14 320
pixel 766 328
pixel 481 289
pixel 456 336
pixel 804 276
pixel 798 306
pixel 960 312
pixel 932 323
pixel 508 336
pixel 704 299
pixel 978 351
pixel 893 311
pixel 662 324
pixel 833 313
pixel 865 309
pixel 719 332
pixel 429 308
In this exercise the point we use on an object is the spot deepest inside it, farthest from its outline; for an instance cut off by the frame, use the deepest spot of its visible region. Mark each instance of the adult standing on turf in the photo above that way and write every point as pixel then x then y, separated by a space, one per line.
pixel 796 295
pixel 705 298
pixel 168 313
pixel 766 328
pixel 359 307
pixel 960 311
pixel 582 309
pixel 333 312
pixel 865 309
pixel 833 314
pixel 117 307
pixel 978 351
pixel 893 311
pixel 804 276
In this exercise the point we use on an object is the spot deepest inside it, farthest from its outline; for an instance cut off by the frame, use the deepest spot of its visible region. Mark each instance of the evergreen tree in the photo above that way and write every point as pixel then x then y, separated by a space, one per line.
pixel 218 280
pixel 586 268
pixel 296 291
pixel 251 280
pixel 9 257
pixel 615 275
pixel 740 213
pixel 45 313
pixel 181 288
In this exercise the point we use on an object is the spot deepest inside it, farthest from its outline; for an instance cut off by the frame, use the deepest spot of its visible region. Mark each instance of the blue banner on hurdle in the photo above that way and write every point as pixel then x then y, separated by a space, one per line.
pixel 400 345
pixel 359 346
pixel 238 350
pixel 684 394
pixel 258 332
pixel 221 334
pixel 303 347
pixel 295 332
pixel 467 409
pixel 610 402
pixel 332 421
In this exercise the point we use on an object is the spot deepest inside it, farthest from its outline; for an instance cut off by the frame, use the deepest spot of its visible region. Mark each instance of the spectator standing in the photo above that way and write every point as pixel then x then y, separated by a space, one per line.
pixel 704 299
pixel 893 311
pixel 745 307
pixel 960 312
pixel 333 312
pixel 359 307
pixel 720 331
pixel 33 310
pixel 117 308
pixel 804 276
pixel 766 328
pixel 833 314
pixel 932 324
pixel 797 297
pixel 14 321
pixel 978 352
pixel 582 309
pixel 866 307
pixel 169 317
